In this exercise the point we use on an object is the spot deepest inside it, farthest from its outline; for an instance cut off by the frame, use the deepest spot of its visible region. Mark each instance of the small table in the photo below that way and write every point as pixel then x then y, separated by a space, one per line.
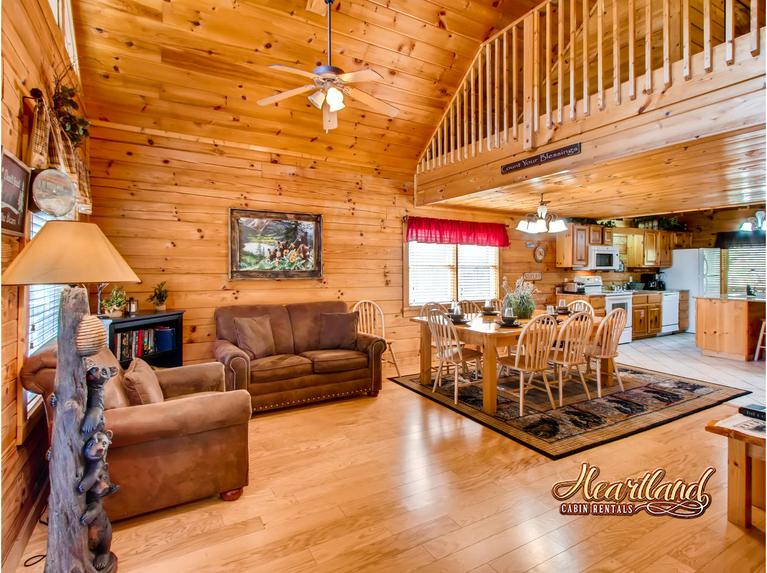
pixel 745 471
pixel 486 333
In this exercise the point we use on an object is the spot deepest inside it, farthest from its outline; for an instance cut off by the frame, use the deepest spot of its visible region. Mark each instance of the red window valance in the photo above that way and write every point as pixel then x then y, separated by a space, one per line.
pixel 446 231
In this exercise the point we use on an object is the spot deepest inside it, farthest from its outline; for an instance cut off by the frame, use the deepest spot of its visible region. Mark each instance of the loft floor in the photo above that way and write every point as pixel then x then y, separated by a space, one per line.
pixel 398 483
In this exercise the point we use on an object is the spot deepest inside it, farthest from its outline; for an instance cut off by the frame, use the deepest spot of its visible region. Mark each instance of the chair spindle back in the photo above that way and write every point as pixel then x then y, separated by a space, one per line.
pixel 534 344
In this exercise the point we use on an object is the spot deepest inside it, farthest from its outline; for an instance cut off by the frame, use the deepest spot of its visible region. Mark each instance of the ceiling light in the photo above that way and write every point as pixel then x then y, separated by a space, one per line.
pixel 557 226
pixel 542 221
pixel 747 226
pixel 317 99
pixel 523 225
pixel 335 99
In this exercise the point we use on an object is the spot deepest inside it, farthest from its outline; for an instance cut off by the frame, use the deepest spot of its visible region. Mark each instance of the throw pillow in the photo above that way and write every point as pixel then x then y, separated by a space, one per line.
pixel 141 384
pixel 254 336
pixel 338 330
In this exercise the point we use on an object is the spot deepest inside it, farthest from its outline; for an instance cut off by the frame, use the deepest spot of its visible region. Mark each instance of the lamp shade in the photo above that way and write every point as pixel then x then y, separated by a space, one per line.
pixel 69 252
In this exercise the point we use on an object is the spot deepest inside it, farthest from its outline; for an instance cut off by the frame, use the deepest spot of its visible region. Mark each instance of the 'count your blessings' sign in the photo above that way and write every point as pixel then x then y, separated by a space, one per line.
pixel 542 158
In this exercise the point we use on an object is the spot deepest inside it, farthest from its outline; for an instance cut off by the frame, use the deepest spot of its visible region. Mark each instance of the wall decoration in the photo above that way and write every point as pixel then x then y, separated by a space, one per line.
pixel 15 177
pixel 53 192
pixel 542 158
pixel 539 253
pixel 274 245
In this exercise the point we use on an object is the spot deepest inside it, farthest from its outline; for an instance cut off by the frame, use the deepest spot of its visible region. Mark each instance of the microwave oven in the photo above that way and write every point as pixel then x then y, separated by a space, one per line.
pixel 603 258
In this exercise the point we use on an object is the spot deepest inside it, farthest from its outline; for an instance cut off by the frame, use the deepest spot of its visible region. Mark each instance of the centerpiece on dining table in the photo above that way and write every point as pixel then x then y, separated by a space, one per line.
pixel 519 302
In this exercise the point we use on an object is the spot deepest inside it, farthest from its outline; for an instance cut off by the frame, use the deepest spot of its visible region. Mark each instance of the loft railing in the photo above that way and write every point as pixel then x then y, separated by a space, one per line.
pixel 542 70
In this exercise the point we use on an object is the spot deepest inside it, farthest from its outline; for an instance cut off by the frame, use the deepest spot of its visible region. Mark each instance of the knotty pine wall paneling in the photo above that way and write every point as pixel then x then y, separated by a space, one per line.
pixel 32 54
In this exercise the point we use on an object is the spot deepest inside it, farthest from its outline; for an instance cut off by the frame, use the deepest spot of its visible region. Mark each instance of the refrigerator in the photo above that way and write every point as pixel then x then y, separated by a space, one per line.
pixel 696 270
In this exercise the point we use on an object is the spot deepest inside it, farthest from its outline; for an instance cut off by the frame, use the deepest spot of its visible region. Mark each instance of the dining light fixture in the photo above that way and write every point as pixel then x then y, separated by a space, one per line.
pixel 541 221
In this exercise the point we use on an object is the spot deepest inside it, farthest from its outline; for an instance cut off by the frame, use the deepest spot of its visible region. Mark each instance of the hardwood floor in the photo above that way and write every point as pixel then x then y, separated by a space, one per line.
pixel 677 354
pixel 398 483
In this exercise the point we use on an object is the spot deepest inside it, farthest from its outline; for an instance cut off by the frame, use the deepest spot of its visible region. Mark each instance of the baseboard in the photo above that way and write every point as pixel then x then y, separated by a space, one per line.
pixel 16 553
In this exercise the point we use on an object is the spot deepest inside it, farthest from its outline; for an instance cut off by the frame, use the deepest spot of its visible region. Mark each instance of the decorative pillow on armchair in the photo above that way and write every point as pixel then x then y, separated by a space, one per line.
pixel 338 330
pixel 254 336
pixel 141 384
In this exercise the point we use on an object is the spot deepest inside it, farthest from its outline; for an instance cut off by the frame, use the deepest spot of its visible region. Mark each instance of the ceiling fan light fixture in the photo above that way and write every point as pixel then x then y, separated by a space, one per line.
pixel 335 99
pixel 557 226
pixel 317 99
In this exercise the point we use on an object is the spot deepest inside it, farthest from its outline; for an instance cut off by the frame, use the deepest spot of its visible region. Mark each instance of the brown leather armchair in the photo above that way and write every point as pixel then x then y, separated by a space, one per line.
pixel 300 371
pixel 192 445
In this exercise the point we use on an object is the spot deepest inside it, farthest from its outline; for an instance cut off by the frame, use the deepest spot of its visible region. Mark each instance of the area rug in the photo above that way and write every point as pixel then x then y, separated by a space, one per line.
pixel 650 399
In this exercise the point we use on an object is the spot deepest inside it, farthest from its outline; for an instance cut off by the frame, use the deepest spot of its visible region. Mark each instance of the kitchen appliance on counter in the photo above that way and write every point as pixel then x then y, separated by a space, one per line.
pixel 589 285
pixel 572 287
pixel 696 270
pixel 622 300
pixel 603 258
pixel 670 312
pixel 653 281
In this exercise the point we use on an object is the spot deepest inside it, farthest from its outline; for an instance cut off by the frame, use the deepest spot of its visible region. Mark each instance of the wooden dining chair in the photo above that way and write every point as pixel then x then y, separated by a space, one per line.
pixel 372 321
pixel 570 349
pixel 470 307
pixel 532 356
pixel 760 346
pixel 605 344
pixel 450 351
pixel 427 305
pixel 581 306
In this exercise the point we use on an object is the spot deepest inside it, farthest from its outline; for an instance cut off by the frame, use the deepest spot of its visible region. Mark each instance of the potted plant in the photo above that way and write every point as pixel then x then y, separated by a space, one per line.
pixel 114 305
pixel 520 299
pixel 159 296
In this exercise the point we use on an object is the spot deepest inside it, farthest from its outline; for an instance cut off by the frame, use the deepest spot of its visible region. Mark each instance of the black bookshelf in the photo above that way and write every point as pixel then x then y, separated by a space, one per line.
pixel 128 332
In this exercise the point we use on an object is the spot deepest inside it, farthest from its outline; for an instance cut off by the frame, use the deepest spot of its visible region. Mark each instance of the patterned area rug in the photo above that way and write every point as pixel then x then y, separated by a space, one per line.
pixel 649 400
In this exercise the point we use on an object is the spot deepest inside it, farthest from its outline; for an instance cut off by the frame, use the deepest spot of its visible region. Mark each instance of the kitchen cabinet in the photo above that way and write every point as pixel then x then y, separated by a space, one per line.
pixel 639 322
pixel 728 326
pixel 573 246
pixel 681 240
pixel 664 249
pixel 684 310
pixel 595 234
pixel 651 249
pixel 607 236
pixel 654 319
pixel 647 314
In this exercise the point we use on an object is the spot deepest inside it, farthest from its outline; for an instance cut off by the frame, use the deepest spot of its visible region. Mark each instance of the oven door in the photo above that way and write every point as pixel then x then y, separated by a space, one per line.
pixel 624 302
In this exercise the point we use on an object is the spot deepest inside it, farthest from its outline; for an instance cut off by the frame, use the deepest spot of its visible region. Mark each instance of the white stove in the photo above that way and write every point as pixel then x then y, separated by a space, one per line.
pixel 621 299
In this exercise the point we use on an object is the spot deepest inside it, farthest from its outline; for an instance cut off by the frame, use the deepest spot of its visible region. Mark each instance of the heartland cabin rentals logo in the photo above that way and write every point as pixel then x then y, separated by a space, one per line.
pixel 628 497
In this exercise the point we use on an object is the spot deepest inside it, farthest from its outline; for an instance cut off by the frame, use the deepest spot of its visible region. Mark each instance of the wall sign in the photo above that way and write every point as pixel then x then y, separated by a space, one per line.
pixel 532 276
pixel 15 182
pixel 542 158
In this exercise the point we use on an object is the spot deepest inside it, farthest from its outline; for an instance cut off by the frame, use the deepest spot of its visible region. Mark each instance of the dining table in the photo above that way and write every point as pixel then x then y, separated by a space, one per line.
pixel 487 333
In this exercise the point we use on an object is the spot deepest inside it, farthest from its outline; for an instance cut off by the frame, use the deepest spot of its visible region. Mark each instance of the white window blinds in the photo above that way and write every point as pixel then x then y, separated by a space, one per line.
pixel 443 273
pixel 745 267
pixel 43 303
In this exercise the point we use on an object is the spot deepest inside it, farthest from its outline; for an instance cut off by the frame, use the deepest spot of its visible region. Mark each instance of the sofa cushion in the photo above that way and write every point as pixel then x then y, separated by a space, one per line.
pixel 325 361
pixel 254 335
pixel 338 330
pixel 279 367
pixel 141 384
pixel 305 320
pixel 282 330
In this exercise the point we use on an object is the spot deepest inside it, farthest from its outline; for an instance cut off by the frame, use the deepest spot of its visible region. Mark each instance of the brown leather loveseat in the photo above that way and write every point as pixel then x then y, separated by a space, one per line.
pixel 301 368
pixel 192 445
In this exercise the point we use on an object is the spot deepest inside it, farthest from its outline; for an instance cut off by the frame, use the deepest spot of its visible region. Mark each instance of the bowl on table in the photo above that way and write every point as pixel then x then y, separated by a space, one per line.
pixel 509 321
pixel 563 310
pixel 458 318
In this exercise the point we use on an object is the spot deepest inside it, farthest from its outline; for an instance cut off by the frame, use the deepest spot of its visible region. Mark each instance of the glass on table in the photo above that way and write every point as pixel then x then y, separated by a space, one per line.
pixel 550 309
pixel 562 303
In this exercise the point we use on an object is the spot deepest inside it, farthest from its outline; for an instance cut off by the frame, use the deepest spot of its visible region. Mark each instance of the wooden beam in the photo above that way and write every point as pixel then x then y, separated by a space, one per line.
pixel 528 86
pixel 632 50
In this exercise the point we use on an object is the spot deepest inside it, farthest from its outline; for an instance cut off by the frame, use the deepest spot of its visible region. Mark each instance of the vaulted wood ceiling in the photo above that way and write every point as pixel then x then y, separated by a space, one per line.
pixel 198 66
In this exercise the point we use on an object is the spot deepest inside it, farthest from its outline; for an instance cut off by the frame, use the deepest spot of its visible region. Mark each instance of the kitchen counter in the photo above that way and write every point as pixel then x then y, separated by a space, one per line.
pixel 728 326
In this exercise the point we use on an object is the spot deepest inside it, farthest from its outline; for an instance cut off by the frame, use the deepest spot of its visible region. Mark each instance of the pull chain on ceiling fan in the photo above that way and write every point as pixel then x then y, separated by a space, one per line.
pixel 330 83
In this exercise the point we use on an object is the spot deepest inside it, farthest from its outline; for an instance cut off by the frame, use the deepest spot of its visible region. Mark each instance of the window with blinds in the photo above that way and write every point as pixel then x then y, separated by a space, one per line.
pixel 43 303
pixel 443 273
pixel 745 267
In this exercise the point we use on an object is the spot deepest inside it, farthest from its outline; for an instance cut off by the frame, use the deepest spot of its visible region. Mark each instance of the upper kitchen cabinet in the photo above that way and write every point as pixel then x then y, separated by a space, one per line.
pixel 595 235
pixel 664 249
pixel 651 250
pixel 607 236
pixel 573 246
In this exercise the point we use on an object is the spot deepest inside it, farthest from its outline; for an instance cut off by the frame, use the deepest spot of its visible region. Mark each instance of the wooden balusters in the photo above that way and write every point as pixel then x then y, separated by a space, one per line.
pixel 707 35
pixel 465 102
pixel 528 83
pixel 473 114
pixel 616 53
pixel 572 58
pixel 453 142
pixel 585 36
pixel 488 97
pixel 481 94
pixel 505 88
pixel 514 83
pixel 729 31
pixel 686 39
pixel 547 63
pixel 632 49
pixel 666 44
pixel 497 87
pixel 648 47
pixel 600 54
pixel 536 68
pixel 754 32
pixel 560 62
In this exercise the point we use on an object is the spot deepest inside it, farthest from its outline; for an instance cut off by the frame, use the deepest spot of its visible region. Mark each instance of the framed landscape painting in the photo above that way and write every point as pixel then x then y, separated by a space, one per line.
pixel 274 245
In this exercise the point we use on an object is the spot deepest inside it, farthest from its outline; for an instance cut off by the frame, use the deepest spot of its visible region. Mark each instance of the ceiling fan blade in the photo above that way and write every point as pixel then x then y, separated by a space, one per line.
pixel 329 118
pixel 371 101
pixel 290 70
pixel 285 95
pixel 367 75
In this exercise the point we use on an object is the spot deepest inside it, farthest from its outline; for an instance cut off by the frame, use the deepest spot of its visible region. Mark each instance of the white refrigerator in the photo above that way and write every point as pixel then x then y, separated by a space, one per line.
pixel 696 270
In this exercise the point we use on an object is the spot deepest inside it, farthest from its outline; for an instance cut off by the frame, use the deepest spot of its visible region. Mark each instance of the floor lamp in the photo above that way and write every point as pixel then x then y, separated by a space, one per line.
pixel 73 253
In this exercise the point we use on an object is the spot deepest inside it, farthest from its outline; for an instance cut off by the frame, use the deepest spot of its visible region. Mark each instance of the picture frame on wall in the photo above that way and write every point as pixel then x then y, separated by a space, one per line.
pixel 274 245
pixel 15 187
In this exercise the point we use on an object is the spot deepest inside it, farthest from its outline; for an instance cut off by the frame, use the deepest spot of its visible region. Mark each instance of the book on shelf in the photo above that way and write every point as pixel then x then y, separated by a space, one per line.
pixel 755 411
pixel 142 342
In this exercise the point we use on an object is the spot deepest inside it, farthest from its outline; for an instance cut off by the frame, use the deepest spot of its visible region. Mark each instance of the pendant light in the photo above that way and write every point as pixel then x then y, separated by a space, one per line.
pixel 541 221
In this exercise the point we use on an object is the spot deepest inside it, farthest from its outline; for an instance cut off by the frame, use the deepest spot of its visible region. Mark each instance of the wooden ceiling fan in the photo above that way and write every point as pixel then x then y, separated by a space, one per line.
pixel 330 85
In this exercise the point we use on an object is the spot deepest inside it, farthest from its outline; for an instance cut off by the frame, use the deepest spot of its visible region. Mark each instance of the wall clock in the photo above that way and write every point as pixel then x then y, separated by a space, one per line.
pixel 539 253
pixel 53 192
